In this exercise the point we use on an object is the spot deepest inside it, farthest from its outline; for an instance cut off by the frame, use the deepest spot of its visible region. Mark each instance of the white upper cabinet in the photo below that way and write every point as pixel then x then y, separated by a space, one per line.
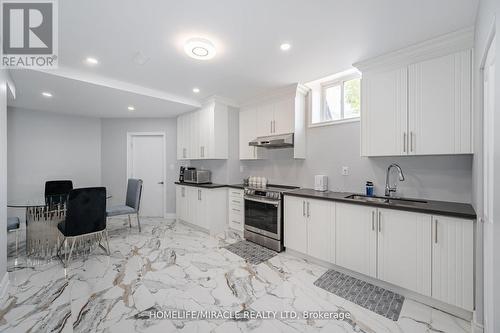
pixel 265 119
pixel 284 116
pixel 248 128
pixel 279 113
pixel 417 101
pixel 203 134
pixel 439 104
pixel 384 114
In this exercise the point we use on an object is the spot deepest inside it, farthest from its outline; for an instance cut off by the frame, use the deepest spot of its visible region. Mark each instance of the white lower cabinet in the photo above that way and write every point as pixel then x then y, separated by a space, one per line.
pixel 404 249
pixel 430 255
pixel 309 227
pixel 356 238
pixel 195 205
pixel 236 208
pixel 452 261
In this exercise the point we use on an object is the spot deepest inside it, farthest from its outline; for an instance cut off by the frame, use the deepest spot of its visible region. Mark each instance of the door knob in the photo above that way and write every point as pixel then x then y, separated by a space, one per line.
pixel 160 183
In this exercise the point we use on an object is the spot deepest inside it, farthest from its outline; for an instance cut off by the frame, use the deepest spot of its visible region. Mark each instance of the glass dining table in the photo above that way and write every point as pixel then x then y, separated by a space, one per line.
pixel 42 238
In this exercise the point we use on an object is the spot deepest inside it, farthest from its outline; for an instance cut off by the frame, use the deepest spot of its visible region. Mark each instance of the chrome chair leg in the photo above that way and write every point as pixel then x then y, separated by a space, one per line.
pixel 70 252
pixel 17 243
pixel 129 221
pixel 138 222
pixel 107 241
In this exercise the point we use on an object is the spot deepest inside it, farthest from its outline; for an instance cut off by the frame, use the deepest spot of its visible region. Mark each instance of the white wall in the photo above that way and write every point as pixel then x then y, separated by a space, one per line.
pixel 329 148
pixel 114 154
pixel 48 146
pixel 487 21
pixel 5 81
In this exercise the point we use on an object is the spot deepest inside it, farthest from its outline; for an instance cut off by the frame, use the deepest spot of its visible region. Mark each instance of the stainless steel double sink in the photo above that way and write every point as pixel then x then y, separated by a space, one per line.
pixel 387 200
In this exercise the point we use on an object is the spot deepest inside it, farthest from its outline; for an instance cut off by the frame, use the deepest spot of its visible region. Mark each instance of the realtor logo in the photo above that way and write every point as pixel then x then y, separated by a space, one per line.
pixel 29 34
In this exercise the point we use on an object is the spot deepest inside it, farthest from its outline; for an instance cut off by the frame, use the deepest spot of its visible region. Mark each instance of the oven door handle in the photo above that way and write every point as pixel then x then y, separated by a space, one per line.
pixel 275 203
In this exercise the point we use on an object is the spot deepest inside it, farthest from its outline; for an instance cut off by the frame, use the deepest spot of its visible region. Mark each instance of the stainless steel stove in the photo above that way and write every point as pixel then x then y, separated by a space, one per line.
pixel 264 215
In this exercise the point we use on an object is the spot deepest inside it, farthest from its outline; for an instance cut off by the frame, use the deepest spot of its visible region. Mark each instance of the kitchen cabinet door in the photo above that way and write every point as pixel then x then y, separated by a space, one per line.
pixel 265 119
pixel 320 222
pixel 192 204
pixel 295 224
pixel 183 135
pixel 194 135
pixel 248 132
pixel 203 208
pixel 284 120
pixel 404 249
pixel 440 105
pixel 356 238
pixel 384 113
pixel 205 120
pixel 453 261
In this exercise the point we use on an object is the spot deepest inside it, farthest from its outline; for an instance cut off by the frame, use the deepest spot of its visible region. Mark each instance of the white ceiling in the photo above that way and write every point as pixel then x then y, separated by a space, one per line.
pixel 327 37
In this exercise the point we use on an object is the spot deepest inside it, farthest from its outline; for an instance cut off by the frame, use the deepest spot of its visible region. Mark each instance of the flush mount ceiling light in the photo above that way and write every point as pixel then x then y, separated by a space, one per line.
pixel 199 48
pixel 285 46
pixel 131 108
pixel 46 94
pixel 91 61
pixel 196 90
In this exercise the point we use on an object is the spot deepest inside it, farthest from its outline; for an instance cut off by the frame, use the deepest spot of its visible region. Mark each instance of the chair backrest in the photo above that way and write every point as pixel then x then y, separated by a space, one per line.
pixel 86 211
pixel 134 190
pixel 56 191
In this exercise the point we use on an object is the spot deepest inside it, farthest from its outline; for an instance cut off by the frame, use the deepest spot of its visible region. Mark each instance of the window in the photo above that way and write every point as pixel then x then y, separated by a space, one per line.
pixel 340 101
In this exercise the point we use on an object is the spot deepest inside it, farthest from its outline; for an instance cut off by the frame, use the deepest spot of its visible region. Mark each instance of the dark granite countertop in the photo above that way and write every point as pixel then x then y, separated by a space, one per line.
pixel 238 186
pixel 453 209
pixel 209 185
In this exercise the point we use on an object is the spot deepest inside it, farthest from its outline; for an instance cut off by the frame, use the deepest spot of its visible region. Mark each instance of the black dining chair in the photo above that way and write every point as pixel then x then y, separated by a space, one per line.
pixel 56 191
pixel 85 217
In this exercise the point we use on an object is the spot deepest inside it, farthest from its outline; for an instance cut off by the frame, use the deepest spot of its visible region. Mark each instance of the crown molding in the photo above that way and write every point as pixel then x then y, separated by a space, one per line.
pixel 445 44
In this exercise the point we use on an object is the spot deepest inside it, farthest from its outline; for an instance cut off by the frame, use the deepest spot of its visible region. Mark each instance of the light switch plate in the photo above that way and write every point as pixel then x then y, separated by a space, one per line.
pixel 345 171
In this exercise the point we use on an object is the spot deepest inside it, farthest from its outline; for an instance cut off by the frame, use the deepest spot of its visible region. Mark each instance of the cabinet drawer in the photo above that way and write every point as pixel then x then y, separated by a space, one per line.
pixel 236 194
pixel 236 221
pixel 233 201
pixel 236 210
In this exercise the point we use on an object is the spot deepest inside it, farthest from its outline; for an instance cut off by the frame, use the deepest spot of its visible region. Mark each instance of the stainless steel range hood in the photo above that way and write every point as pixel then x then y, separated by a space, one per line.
pixel 274 141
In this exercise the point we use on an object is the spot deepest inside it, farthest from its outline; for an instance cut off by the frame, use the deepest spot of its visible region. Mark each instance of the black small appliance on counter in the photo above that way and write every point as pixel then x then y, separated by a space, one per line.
pixel 182 171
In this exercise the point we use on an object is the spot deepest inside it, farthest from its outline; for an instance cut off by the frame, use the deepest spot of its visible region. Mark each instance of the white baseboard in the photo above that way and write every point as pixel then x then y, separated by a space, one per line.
pixel 170 215
pixel 476 327
pixel 4 286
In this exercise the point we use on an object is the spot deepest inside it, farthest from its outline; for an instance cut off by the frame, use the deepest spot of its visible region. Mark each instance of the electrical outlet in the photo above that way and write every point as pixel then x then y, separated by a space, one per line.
pixel 345 171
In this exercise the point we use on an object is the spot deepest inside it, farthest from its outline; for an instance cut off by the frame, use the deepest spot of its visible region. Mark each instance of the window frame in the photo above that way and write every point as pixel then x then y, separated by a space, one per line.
pixel 328 84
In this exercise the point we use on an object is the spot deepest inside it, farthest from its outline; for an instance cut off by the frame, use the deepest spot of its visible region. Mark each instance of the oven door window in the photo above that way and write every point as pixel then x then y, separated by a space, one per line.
pixel 263 216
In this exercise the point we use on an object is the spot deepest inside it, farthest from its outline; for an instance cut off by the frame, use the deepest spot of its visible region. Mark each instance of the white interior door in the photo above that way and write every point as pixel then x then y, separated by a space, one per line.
pixel 146 162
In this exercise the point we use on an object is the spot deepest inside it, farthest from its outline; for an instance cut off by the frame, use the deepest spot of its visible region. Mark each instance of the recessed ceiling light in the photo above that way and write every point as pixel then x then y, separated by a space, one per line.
pixel 200 48
pixel 131 108
pixel 196 90
pixel 285 46
pixel 46 94
pixel 91 61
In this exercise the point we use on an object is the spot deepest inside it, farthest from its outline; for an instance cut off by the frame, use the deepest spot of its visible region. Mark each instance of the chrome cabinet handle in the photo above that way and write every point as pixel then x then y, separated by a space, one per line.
pixel 303 208
pixel 236 210
pixel 274 126
pixel 379 221
pixel 404 142
pixel 237 222
pixel 411 141
pixel 236 201
pixel 199 194
pixel 308 210
pixel 271 126
pixel 435 231
pixel 373 220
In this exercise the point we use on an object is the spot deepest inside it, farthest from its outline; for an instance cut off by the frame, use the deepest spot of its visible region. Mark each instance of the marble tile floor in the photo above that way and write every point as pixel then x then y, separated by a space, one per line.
pixel 169 267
